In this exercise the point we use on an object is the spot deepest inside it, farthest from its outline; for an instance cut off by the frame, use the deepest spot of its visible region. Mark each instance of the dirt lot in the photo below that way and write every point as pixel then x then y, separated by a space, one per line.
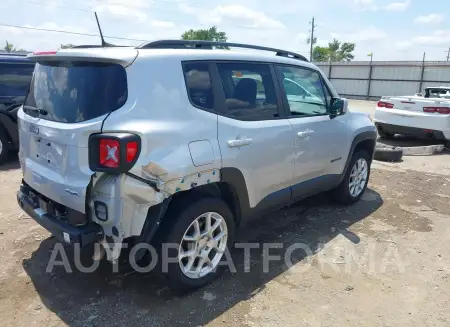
pixel 384 261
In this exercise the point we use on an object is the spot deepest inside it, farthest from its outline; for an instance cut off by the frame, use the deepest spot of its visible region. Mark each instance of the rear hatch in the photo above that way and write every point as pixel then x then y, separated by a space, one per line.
pixel 70 95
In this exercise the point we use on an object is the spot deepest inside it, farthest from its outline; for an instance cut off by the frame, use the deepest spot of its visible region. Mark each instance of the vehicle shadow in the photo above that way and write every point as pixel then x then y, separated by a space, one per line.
pixel 11 162
pixel 407 141
pixel 104 298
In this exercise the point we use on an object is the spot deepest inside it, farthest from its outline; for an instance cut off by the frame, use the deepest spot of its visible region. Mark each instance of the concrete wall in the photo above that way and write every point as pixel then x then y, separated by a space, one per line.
pixel 361 80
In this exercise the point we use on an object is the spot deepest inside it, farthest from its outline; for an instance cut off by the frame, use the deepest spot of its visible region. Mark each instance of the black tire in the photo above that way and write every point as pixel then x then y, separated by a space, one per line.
pixel 447 144
pixel 4 146
pixel 388 153
pixel 342 192
pixel 176 278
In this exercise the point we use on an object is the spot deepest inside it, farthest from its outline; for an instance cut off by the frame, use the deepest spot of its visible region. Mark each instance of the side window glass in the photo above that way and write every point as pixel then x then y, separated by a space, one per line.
pixel 15 78
pixel 304 91
pixel 198 84
pixel 249 91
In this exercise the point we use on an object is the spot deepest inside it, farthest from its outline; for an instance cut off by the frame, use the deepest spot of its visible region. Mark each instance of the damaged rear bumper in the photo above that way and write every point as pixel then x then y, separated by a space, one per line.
pixel 63 231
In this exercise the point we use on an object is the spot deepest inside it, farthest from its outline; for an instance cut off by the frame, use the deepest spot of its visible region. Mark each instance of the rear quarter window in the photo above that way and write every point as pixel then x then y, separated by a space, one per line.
pixel 72 92
pixel 198 85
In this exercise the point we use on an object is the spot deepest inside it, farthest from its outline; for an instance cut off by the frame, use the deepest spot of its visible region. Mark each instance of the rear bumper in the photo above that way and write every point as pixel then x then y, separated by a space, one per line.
pixel 65 232
pixel 413 121
pixel 410 131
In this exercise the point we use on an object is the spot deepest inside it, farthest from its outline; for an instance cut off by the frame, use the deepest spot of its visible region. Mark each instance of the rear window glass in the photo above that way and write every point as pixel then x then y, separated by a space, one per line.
pixel 15 79
pixel 73 92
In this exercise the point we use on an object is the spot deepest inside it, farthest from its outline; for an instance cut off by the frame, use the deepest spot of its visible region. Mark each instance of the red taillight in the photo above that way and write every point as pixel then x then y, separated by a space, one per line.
pixel 44 53
pixel 109 153
pixel 441 110
pixel 114 153
pixel 382 104
pixel 132 150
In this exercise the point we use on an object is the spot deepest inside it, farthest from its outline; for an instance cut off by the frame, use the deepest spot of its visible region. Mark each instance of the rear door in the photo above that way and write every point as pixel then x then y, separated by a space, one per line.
pixel 252 136
pixel 67 102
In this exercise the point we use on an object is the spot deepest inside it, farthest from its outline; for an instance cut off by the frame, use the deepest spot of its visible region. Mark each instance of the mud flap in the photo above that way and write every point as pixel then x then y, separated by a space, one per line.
pixel 152 223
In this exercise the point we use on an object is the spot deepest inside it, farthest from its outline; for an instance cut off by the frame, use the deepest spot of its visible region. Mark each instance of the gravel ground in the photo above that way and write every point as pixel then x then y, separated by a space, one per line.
pixel 384 261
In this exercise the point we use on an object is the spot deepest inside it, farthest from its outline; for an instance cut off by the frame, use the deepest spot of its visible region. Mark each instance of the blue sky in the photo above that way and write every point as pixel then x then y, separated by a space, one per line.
pixel 391 29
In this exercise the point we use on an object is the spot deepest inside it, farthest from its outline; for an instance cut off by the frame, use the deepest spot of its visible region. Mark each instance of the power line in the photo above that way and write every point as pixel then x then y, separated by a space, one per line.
pixel 36 3
pixel 172 13
pixel 67 32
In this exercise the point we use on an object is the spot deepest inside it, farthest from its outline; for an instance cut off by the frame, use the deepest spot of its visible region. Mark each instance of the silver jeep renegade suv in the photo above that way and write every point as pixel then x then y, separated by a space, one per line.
pixel 177 142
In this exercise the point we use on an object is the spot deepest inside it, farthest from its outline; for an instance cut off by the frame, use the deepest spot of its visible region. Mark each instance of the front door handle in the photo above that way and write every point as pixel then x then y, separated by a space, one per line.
pixel 304 134
pixel 239 143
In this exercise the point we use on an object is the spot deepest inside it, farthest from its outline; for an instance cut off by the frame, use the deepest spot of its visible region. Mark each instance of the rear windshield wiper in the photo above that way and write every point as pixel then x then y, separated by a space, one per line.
pixel 35 112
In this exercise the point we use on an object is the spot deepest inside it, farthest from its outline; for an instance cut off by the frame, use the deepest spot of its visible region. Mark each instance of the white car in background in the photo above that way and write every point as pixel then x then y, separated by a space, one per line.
pixel 426 116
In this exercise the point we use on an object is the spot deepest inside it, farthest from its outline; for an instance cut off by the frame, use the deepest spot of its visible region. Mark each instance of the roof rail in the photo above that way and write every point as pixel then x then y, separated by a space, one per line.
pixel 93 46
pixel 14 54
pixel 183 44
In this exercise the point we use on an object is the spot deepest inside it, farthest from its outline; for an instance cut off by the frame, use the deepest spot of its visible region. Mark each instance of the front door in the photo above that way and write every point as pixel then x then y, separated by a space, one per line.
pixel 317 135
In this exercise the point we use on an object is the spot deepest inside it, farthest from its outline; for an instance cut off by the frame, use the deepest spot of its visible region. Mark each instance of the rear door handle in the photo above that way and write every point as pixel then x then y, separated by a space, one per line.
pixel 239 143
pixel 304 133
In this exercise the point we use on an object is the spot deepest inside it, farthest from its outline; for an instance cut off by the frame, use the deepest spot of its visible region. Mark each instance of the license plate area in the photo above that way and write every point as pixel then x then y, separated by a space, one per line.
pixel 49 153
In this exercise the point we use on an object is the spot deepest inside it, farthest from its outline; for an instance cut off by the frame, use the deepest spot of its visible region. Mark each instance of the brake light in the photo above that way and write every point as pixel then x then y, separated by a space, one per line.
pixel 440 110
pixel 113 152
pixel 382 104
pixel 109 153
pixel 43 53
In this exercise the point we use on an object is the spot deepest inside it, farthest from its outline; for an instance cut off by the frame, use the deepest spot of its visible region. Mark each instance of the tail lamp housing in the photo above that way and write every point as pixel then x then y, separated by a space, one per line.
pixel 383 104
pixel 440 110
pixel 113 152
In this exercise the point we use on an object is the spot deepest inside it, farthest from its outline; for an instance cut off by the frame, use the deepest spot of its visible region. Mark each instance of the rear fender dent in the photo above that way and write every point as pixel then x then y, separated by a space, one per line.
pixel 171 183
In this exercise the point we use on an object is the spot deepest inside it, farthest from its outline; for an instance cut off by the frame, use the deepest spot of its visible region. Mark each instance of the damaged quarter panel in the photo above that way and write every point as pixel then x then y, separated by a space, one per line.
pixel 161 115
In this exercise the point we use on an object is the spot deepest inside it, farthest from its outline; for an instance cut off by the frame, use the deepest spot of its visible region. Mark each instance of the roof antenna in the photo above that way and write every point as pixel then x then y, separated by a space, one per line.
pixel 104 43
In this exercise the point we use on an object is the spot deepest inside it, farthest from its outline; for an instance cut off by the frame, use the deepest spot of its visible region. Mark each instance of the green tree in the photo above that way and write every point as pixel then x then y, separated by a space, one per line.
pixel 333 48
pixel 67 46
pixel 321 53
pixel 345 52
pixel 336 51
pixel 9 47
pixel 210 34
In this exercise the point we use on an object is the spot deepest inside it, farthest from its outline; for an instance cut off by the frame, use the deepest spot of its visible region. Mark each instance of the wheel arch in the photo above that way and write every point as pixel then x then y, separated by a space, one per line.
pixel 231 188
pixel 363 141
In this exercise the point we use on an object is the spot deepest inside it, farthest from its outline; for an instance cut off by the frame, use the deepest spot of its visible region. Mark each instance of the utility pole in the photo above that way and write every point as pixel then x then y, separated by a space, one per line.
pixel 448 54
pixel 312 40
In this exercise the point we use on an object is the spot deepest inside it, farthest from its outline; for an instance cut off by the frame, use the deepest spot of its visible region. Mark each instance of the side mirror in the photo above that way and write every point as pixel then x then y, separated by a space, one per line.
pixel 339 106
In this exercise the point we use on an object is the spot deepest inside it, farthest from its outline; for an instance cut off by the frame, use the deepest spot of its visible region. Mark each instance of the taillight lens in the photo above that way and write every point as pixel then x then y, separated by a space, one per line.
pixel 440 110
pixel 109 151
pixel 382 104
pixel 132 150
pixel 113 152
